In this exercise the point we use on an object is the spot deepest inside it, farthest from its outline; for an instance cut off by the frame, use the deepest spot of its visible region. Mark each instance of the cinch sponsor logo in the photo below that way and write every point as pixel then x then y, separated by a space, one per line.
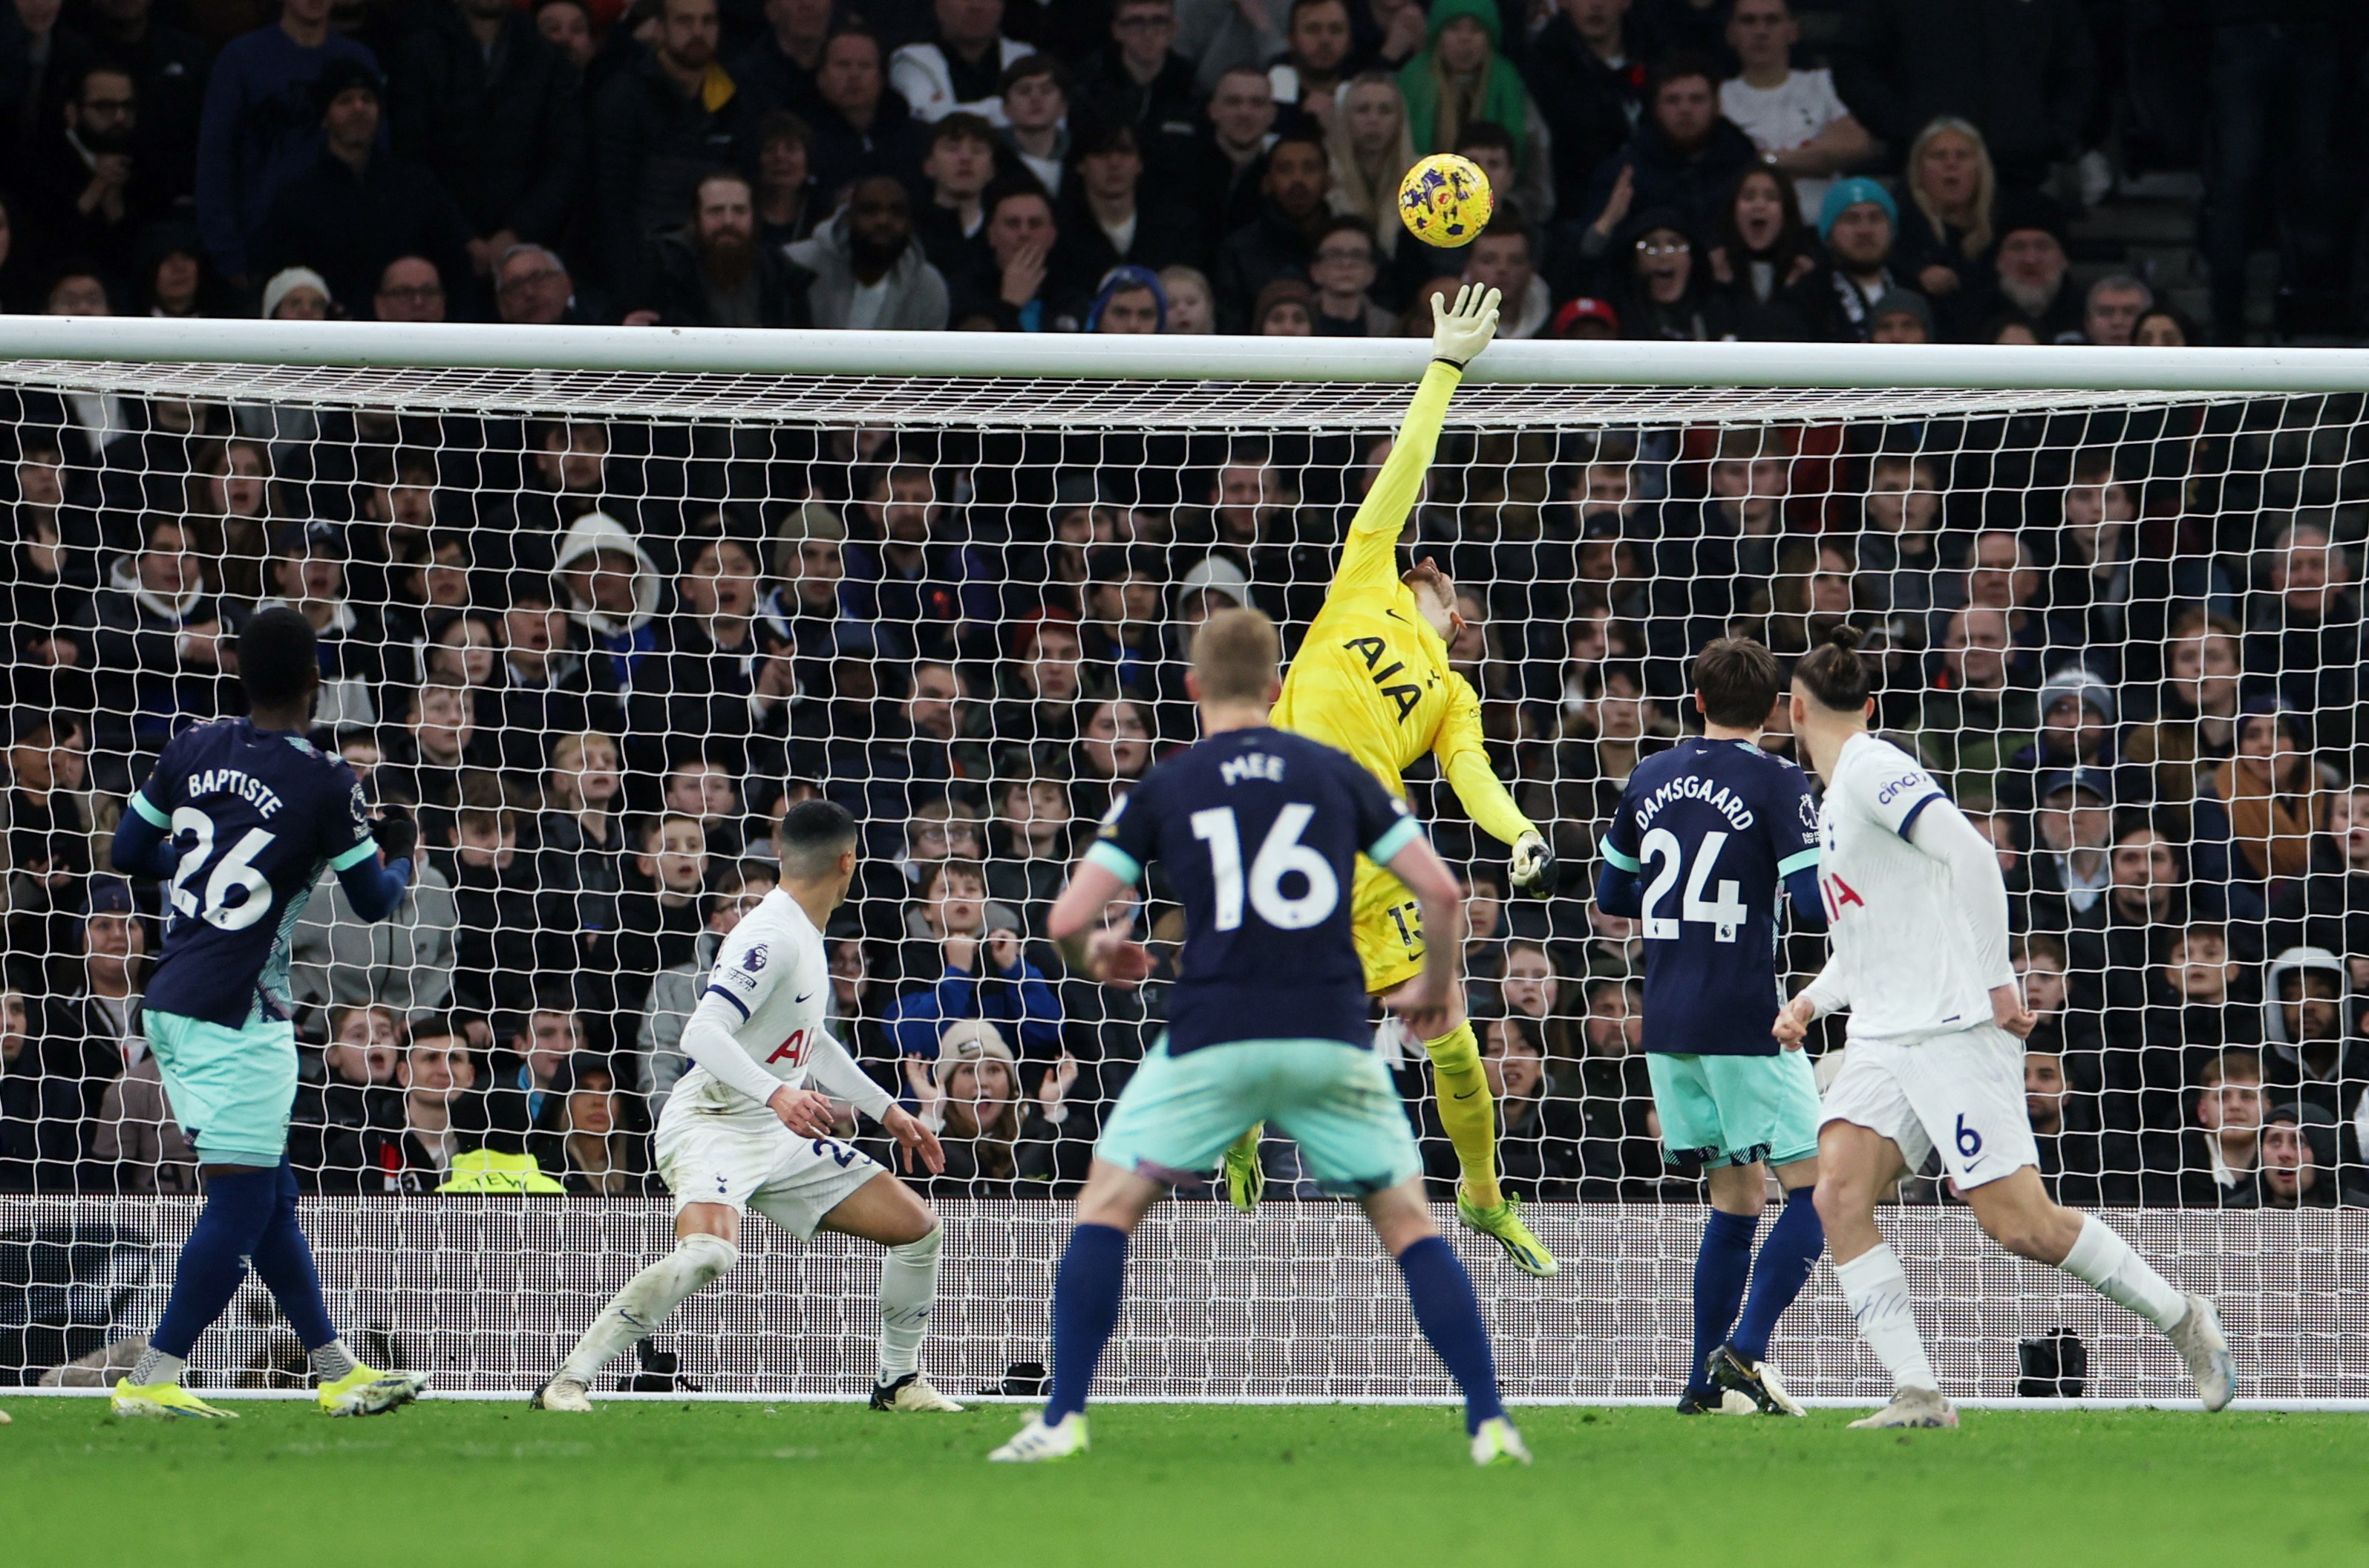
pixel 1885 795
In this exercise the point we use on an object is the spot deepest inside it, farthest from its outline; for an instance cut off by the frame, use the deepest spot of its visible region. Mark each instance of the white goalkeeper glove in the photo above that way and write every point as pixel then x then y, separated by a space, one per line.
pixel 1534 863
pixel 1464 328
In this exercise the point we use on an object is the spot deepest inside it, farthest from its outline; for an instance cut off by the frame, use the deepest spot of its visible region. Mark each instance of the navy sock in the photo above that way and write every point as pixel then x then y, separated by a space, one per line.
pixel 1085 1310
pixel 283 1261
pixel 238 1210
pixel 1720 1265
pixel 1441 1294
pixel 1785 1260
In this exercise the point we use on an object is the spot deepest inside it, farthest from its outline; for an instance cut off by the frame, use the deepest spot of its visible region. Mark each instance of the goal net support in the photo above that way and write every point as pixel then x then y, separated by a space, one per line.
pixel 597 605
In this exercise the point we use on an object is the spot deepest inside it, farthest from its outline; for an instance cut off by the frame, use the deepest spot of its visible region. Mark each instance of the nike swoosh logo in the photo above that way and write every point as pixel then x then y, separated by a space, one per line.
pixel 1394 615
pixel 800 999
pixel 1466 1095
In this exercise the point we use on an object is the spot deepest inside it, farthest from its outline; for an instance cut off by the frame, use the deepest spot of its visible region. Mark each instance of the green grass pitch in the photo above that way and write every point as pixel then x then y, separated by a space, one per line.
pixel 465 1483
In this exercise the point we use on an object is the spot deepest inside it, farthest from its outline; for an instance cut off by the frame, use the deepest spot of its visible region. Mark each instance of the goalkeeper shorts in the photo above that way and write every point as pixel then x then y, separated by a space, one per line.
pixel 1337 1101
pixel 1732 1110
pixel 1386 924
pixel 231 1089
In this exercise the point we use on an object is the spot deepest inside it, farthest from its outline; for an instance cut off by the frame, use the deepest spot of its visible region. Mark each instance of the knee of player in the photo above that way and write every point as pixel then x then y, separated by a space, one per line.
pixel 924 1247
pixel 1840 1199
pixel 711 1257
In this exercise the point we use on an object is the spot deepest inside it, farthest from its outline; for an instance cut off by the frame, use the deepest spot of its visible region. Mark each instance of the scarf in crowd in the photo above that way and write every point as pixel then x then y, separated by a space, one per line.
pixel 2271 829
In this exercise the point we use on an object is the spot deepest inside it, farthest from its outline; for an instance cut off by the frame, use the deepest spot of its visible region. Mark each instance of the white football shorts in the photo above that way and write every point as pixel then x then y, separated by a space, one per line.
pixel 748 1163
pixel 1960 1093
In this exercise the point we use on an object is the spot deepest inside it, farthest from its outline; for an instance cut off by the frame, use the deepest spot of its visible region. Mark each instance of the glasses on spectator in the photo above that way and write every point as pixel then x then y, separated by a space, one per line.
pixel 413 291
pixel 1344 253
pixel 1663 248
pixel 518 280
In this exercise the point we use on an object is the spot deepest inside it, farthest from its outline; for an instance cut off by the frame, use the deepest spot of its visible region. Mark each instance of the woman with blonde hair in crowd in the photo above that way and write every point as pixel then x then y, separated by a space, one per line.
pixel 1369 150
pixel 975 1111
pixel 1947 227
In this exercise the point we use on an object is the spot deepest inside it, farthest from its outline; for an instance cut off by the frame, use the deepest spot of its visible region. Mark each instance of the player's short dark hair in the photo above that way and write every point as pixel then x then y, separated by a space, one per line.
pixel 1834 674
pixel 812 836
pixel 1738 680
pixel 1234 654
pixel 279 656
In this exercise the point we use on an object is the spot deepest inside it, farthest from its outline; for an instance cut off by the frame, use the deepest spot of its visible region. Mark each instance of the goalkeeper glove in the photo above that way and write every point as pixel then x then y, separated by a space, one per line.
pixel 397 834
pixel 1464 328
pixel 1534 863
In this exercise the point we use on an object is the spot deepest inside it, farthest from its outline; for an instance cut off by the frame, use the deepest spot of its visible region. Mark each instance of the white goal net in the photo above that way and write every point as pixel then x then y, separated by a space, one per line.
pixel 598 626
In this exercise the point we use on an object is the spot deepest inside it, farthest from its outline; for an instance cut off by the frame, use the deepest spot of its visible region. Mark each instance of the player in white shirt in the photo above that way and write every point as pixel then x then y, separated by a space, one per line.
pixel 1917 915
pixel 742 1130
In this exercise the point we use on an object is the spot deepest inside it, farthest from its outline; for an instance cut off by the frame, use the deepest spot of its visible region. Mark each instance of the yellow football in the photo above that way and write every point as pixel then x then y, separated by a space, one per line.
pixel 1444 200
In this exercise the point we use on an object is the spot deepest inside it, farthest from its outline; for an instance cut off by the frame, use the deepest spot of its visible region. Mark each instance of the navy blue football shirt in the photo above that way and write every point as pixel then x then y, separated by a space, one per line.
pixel 1260 832
pixel 256 815
pixel 1712 829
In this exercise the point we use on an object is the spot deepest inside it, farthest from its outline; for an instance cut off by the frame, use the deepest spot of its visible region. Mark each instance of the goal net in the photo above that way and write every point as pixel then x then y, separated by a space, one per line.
pixel 599 605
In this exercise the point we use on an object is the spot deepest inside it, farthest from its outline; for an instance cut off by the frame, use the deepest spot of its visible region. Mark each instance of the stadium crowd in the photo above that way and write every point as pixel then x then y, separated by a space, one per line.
pixel 600 659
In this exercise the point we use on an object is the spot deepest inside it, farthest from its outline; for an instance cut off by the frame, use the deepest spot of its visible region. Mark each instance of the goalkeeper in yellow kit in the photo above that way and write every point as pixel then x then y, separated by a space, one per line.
pixel 1372 679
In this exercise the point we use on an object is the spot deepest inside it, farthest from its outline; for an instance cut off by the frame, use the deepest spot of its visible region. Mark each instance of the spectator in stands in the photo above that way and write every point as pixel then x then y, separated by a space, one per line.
pixel 716 274
pixel 960 65
pixel 1948 229
pixel 2074 1158
pixel 1684 155
pixel 528 1074
pixel 1280 242
pixel 1010 290
pixel 658 127
pixel 580 839
pixel 1344 267
pixel 584 1139
pixel 2079 713
pixel 968 966
pixel 1902 316
pixel 2212 1162
pixel 1138 80
pixel 2073 828
pixel 1223 177
pixel 2260 819
pixel 499 945
pixel 1537 1142
pixel 2199 1003
pixel 2110 310
pixel 868 271
pixel 2029 82
pixel 2315 1059
pixel 2303 628
pixel 1029 845
pixel 702 787
pixel 1585 78
pixel 403 963
pixel 2297 1166
pixel 1107 225
pixel 960 165
pixel 1971 699
pixel 495 112
pixel 694 690
pixel 2160 326
pixel 861 124
pixel 1506 257
pixel 353 208
pixel 1043 683
pixel 734 892
pixel 168 67
pixel 409 288
pixel 1033 112
pixel 350 1086
pixel 1795 118
pixel 934 592
pixel 540 690
pixel 789 199
pixel 658 912
pixel 1857 224
pixel 1661 293
pixel 1762 248
pixel 1531 987
pixel 1464 77
pixel 1367 152
pixel 90 185
pixel 807 607
pixel 1899 555
pixel 612 588
pixel 442 1117
pixel 533 288
pixel 1285 308
pixel 974 1104
pixel 2001 573
pixel 778 71
pixel 566 25
pixel 1192 306
pixel 158 647
pixel 262 125
pixel 89 1031
pixel 1114 752
pixel 2030 267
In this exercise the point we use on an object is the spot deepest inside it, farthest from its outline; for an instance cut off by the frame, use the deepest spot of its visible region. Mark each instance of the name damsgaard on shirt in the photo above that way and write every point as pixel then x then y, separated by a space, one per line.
pixel 1694 786
pixel 231 780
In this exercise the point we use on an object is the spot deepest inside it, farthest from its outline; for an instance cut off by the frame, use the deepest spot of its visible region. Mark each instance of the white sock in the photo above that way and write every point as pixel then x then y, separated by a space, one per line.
pixel 1878 1293
pixel 909 1288
pixel 332 1361
pixel 155 1366
pixel 2105 1262
pixel 648 1298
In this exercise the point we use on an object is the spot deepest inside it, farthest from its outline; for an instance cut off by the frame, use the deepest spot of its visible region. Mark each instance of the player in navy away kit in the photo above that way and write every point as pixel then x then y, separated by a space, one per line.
pixel 1706 835
pixel 238 821
pixel 1260 831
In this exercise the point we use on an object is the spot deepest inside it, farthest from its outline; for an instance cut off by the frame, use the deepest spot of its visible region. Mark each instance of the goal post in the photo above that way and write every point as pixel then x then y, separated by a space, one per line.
pixel 598 602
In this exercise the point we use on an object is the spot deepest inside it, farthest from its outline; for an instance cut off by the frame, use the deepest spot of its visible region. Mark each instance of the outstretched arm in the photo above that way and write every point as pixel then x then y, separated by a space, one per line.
pixel 1369 559
pixel 1463 758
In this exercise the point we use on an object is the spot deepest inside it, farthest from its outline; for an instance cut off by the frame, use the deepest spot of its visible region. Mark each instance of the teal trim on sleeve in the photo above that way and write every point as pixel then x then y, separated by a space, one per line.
pixel 355 855
pixel 1615 859
pixel 1401 833
pixel 149 813
pixel 1115 860
pixel 1795 861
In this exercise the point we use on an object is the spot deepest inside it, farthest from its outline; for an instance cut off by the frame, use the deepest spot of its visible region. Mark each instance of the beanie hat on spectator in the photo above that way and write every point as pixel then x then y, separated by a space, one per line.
pixel 1652 218
pixel 1574 312
pixel 286 282
pixel 2029 209
pixel 1282 292
pixel 1217 575
pixel 1845 194
pixel 1904 301
pixel 314 538
pixel 109 896
pixel 2078 681
pixel 808 520
pixel 2097 782
pixel 1030 629
pixel 343 76
pixel 1125 279
pixel 967 1040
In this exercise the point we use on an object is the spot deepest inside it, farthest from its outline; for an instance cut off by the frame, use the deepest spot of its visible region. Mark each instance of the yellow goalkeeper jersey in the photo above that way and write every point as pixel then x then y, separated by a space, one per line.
pixel 1372 676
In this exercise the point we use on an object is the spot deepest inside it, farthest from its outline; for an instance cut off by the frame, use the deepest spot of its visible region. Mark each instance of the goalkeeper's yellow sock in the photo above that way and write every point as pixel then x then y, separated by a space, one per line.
pixel 1467 1112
